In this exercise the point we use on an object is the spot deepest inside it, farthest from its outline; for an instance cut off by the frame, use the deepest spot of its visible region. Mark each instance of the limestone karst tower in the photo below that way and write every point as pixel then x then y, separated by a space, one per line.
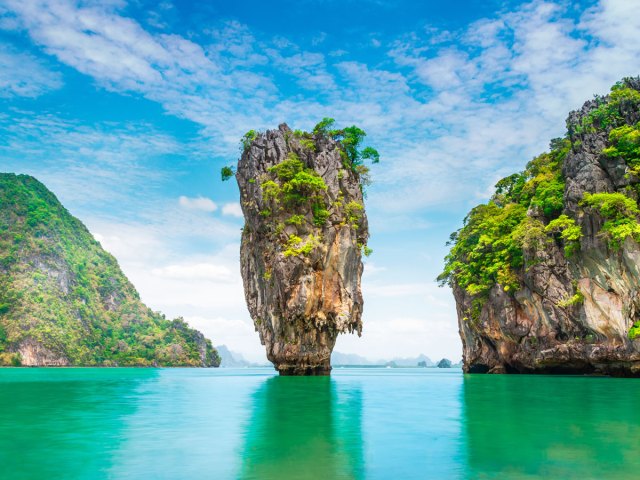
pixel 302 244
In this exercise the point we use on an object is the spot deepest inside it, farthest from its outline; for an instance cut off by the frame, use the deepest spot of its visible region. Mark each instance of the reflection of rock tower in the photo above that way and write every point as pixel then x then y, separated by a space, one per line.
pixel 301 264
pixel 305 430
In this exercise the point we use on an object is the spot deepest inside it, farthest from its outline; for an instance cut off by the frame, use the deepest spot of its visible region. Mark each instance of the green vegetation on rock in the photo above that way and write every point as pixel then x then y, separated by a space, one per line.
pixel 247 138
pixel 488 249
pixel 609 111
pixel 293 188
pixel 625 144
pixel 500 240
pixel 295 246
pixel 634 331
pixel 350 139
pixel 297 189
pixel 485 251
pixel 569 232
pixel 621 214
pixel 226 173
pixel 60 290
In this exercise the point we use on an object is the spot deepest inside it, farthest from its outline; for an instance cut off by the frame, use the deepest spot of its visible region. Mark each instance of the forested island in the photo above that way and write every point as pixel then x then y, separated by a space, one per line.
pixel 545 275
pixel 64 300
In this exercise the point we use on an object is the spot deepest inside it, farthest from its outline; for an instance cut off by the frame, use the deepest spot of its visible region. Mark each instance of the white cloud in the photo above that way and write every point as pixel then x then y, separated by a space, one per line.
pixel 371 269
pixel 169 275
pixel 122 162
pixel 307 67
pixel 319 38
pixel 445 71
pixel 197 271
pixel 130 244
pixel 198 203
pixel 394 326
pixel 23 75
pixel 398 290
pixel 232 209
pixel 499 95
pixel 176 72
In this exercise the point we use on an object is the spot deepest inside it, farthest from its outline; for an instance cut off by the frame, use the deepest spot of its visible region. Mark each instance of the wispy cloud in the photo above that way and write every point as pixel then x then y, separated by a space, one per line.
pixel 198 203
pixel 122 56
pixel 197 271
pixel 232 209
pixel 492 97
pixel 499 93
pixel 119 159
pixel 23 75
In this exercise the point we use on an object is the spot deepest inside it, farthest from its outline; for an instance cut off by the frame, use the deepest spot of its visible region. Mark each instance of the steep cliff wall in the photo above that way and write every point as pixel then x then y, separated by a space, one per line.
pixel 304 235
pixel 65 301
pixel 546 276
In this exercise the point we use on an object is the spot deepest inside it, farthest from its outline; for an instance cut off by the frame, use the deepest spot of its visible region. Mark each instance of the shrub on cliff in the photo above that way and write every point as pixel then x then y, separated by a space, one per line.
pixel 621 215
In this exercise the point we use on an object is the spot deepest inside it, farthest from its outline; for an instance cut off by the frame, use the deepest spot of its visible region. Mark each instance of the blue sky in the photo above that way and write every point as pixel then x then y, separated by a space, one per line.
pixel 127 111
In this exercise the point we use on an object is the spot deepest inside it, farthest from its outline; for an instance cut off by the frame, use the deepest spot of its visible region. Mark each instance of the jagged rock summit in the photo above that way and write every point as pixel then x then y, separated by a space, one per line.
pixel 64 300
pixel 546 275
pixel 302 244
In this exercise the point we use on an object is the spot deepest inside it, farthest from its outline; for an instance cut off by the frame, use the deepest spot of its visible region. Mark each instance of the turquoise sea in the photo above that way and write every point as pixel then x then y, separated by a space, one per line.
pixel 360 423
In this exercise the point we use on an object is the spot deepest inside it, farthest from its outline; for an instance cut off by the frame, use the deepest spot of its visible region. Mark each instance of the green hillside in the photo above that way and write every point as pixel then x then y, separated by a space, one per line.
pixel 65 301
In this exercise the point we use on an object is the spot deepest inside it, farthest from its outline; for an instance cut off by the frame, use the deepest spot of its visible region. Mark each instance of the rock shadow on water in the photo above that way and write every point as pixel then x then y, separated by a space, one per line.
pixel 551 427
pixel 304 428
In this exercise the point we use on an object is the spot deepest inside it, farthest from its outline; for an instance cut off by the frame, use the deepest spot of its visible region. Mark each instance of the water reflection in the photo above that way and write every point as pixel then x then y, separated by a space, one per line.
pixel 66 425
pixel 373 424
pixel 304 428
pixel 551 427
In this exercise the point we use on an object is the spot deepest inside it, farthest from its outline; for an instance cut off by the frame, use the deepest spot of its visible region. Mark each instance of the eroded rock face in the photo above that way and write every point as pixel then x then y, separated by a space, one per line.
pixel 530 331
pixel 34 354
pixel 301 248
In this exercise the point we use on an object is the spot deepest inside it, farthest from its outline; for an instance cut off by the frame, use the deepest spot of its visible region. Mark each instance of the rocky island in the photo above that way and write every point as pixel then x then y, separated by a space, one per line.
pixel 64 300
pixel 302 243
pixel 546 275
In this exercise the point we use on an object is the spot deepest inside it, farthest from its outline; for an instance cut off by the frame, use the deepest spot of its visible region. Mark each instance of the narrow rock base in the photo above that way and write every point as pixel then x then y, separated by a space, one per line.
pixel 304 370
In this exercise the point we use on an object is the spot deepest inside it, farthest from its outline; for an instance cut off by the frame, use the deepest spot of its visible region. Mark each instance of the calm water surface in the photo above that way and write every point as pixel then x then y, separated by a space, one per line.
pixel 360 423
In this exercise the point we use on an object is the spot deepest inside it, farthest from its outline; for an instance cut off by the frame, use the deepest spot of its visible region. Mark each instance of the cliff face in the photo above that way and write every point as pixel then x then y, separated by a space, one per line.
pixel 567 297
pixel 65 301
pixel 305 228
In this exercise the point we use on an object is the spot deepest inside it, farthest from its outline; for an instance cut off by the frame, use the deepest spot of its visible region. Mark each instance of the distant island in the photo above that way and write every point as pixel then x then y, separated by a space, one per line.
pixel 352 360
pixel 231 359
pixel 64 300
